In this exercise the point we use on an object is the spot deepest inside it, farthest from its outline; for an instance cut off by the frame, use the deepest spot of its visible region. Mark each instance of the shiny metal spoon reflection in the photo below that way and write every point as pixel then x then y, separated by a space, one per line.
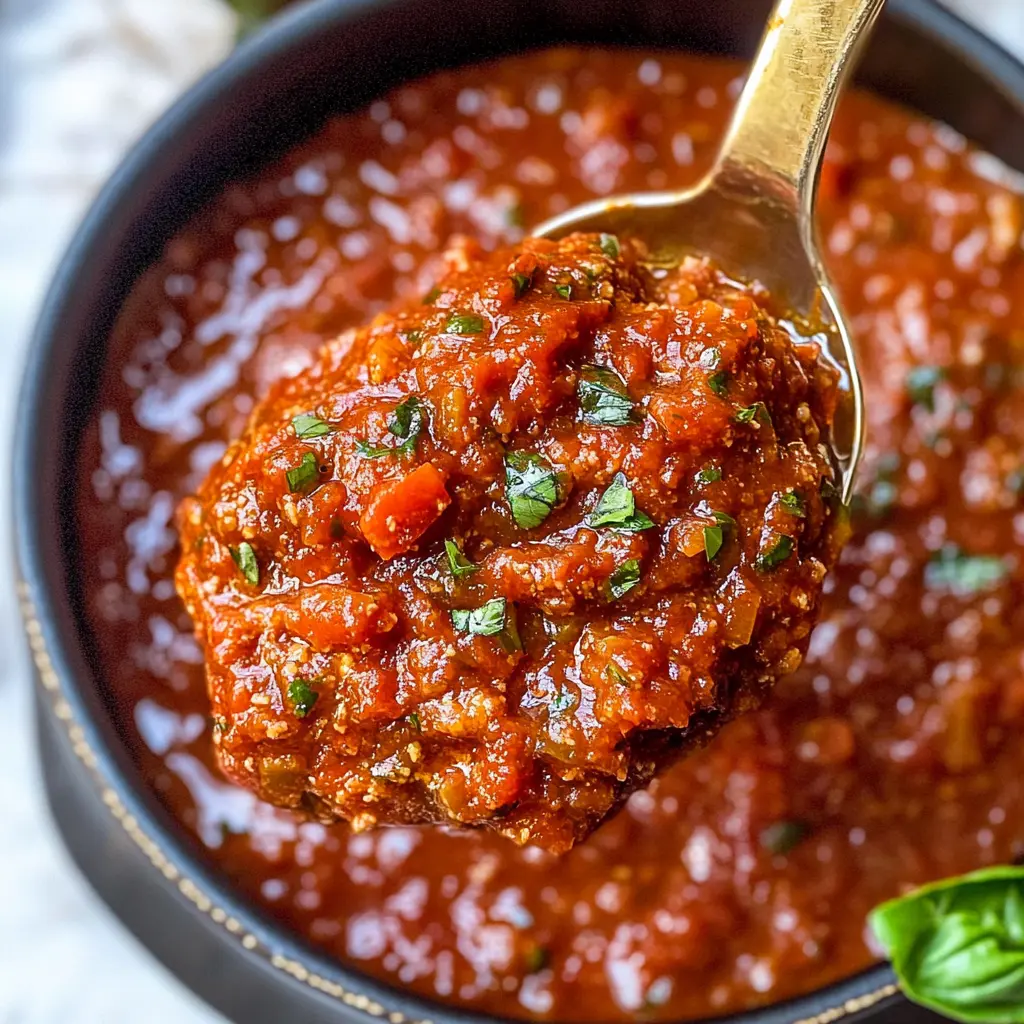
pixel 753 211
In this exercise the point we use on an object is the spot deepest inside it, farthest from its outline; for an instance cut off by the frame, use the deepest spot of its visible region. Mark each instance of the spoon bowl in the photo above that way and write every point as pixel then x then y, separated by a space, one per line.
pixel 752 213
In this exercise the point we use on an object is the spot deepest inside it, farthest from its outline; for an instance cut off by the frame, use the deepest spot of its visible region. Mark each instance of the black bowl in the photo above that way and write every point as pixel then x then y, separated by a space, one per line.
pixel 321 58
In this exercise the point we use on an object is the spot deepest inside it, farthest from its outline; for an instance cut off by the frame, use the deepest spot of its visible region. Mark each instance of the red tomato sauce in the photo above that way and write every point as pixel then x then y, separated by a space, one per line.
pixel 744 873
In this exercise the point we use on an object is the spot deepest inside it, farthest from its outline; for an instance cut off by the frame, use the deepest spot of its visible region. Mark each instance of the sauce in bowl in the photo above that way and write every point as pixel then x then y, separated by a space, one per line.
pixel 744 874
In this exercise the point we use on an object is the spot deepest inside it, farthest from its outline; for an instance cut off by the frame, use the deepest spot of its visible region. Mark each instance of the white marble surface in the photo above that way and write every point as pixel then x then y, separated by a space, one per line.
pixel 79 79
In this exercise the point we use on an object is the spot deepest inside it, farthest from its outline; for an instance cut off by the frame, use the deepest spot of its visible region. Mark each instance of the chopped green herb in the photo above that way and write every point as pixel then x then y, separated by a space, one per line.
pixel 617 508
pixel 407 419
pixel 709 475
pixel 563 700
pixel 303 476
pixel 624 579
pixel 464 323
pixel 793 504
pixel 724 518
pixel 537 959
pixel 413 338
pixel 531 487
pixel 610 246
pixel 718 382
pixel 780 549
pixel 431 297
pixel 521 282
pixel 782 836
pixel 306 425
pixel 487 620
pixel 565 290
pixel 245 558
pixel 616 675
pixel 713 540
pixel 406 423
pixel 753 413
pixel 302 696
pixel 603 398
pixel 220 725
pixel 414 721
pixel 458 563
pixel 921 382
pixel 955 570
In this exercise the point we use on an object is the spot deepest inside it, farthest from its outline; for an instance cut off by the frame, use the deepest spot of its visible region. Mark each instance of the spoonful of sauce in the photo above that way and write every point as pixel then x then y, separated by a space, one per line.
pixel 752 213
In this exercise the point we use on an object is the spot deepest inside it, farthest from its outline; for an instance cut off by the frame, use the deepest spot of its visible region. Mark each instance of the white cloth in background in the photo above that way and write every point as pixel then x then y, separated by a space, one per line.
pixel 79 80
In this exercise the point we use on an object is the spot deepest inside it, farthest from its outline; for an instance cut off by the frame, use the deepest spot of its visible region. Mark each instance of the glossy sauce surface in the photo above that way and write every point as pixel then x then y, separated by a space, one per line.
pixel 744 874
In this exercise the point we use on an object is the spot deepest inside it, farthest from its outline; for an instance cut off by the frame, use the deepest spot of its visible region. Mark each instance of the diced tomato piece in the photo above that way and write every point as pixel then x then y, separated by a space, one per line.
pixel 400 511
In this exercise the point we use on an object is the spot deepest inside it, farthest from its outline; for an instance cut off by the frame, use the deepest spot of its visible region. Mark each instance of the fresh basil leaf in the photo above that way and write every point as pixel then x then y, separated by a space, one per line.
pixel 624 579
pixel 793 504
pixel 709 475
pixel 713 540
pixel 245 558
pixel 531 487
pixel 724 518
pixel 779 550
pixel 487 620
pixel 617 508
pixel 565 290
pixel 464 323
pixel 610 246
pixel 303 476
pixel 754 413
pixel 306 425
pixel 603 398
pixel 459 565
pixel 414 721
pixel 782 836
pixel 302 696
pixel 957 946
pixel 921 382
pixel 954 569
pixel 719 382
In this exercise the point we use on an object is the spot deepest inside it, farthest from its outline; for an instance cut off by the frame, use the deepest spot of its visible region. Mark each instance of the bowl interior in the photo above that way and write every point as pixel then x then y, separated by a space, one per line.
pixel 326 57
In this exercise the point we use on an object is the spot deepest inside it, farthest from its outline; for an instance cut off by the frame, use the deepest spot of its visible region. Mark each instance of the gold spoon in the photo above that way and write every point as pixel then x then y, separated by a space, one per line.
pixel 752 213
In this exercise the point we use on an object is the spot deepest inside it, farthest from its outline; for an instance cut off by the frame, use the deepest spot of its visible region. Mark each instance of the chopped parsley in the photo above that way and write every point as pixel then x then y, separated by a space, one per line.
pixel 431 297
pixel 921 382
pixel 617 508
pixel 624 579
pixel 565 290
pixel 245 558
pixel 563 700
pixel 782 836
pixel 414 721
pixel 754 413
pixel 956 570
pixel 793 504
pixel 406 423
pixel 306 425
pixel 709 475
pixel 459 565
pixel 303 476
pixel 487 620
pixel 302 696
pixel 521 282
pixel 713 540
pixel 719 382
pixel 769 560
pixel 531 487
pixel 464 323
pixel 603 398
pixel 610 246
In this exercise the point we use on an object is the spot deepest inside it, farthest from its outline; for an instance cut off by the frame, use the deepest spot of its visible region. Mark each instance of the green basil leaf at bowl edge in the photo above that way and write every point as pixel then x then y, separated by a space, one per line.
pixel 957 946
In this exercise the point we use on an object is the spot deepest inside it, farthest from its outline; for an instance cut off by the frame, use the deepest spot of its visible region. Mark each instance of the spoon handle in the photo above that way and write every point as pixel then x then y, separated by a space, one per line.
pixel 781 121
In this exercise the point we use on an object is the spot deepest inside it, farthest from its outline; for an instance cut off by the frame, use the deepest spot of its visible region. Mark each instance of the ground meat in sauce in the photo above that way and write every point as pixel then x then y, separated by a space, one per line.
pixel 502 554
pixel 742 875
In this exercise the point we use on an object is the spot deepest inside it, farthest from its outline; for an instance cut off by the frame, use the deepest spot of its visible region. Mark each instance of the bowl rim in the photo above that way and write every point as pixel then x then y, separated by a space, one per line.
pixel 64 678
